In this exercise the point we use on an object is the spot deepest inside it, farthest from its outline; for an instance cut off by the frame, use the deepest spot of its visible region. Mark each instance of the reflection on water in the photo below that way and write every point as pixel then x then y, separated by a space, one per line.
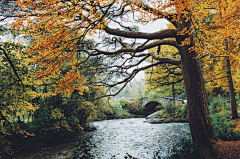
pixel 84 147
pixel 114 138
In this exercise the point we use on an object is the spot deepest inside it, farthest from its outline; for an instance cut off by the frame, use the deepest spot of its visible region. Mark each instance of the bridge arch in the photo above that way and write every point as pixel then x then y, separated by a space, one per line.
pixel 150 106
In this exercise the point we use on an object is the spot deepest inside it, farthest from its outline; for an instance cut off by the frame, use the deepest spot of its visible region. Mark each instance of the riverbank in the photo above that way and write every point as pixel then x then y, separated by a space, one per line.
pixel 116 138
pixel 64 148
pixel 40 151
pixel 155 118
pixel 30 148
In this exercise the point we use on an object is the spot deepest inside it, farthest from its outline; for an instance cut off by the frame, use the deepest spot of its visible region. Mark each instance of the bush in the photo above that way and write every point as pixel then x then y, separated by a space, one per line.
pixel 220 112
pixel 180 111
pixel 162 114
pixel 135 107
pixel 48 124
pixel 124 103
pixel 218 104
pixel 169 108
pixel 5 148
pixel 117 111
pixel 224 130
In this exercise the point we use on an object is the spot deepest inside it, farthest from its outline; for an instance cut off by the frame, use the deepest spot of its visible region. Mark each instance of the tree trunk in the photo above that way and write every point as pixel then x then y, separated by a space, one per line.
pixel 174 102
pixel 198 113
pixel 230 85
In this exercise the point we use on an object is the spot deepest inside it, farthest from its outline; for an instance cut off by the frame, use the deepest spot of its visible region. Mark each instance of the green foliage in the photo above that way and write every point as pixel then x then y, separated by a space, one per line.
pixel 118 111
pixel 180 111
pixel 218 104
pixel 169 108
pixel 59 116
pixel 135 107
pixel 5 147
pixel 48 124
pixel 223 129
pixel 131 90
pixel 124 104
pixel 16 93
pixel 154 94
pixel 125 109
pixel 182 95
pixel 237 97
pixel 220 113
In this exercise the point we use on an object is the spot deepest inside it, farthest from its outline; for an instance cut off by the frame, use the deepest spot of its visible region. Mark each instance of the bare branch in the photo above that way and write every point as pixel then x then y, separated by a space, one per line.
pixel 11 64
pixel 168 83
pixel 141 49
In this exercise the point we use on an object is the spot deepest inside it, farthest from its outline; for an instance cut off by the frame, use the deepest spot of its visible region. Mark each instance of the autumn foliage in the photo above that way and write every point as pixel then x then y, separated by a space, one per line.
pixel 201 34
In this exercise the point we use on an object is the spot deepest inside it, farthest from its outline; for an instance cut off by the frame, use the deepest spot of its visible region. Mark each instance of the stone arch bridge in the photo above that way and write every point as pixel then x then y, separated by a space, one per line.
pixel 150 105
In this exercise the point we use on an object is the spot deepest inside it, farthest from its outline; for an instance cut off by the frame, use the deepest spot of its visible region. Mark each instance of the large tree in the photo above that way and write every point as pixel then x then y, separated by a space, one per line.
pixel 59 27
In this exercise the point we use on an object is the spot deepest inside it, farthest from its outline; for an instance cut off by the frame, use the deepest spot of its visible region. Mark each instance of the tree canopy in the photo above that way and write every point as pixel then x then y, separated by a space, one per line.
pixel 63 30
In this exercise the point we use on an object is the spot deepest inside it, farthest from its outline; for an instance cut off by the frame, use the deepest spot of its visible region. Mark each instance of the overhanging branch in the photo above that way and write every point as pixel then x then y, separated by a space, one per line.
pixel 167 33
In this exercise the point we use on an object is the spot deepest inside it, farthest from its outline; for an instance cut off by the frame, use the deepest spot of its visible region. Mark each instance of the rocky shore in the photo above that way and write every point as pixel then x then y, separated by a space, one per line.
pixel 154 119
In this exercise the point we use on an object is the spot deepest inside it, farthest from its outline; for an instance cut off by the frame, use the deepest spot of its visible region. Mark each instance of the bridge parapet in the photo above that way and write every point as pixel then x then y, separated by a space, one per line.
pixel 183 100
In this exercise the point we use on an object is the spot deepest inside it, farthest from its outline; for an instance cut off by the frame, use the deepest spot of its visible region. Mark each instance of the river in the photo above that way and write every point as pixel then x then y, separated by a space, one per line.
pixel 114 138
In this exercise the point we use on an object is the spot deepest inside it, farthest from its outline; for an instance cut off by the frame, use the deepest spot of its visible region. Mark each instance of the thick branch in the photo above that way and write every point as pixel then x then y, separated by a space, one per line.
pixel 167 33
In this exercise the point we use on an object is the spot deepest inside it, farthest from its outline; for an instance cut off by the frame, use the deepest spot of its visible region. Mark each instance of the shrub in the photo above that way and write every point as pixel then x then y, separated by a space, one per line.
pixel 224 130
pixel 220 112
pixel 135 107
pixel 5 148
pixel 180 111
pixel 162 114
pixel 124 103
pixel 218 104
pixel 169 108
pixel 117 109
pixel 48 124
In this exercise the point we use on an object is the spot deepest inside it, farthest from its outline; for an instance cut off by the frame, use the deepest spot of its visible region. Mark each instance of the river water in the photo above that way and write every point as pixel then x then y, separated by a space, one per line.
pixel 114 138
